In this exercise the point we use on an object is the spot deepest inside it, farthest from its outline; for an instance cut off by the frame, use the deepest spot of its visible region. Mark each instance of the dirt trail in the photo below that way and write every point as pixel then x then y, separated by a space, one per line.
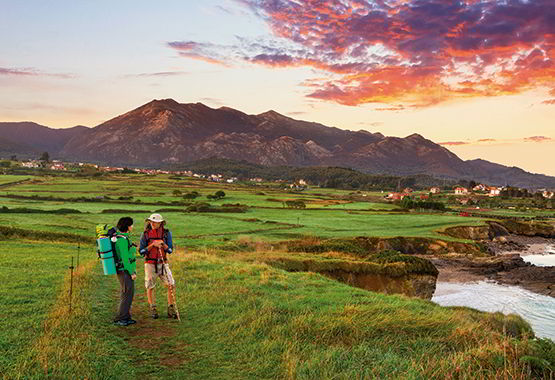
pixel 157 339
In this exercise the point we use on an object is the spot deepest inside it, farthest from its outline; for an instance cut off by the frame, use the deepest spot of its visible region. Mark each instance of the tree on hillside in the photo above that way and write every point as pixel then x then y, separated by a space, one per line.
pixel 191 195
pixel 45 157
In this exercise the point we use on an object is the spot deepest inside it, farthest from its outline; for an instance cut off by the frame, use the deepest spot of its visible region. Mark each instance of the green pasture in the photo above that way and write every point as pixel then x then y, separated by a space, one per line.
pixel 209 229
pixel 251 321
pixel 31 277
pixel 327 214
pixel 240 320
pixel 12 178
pixel 530 213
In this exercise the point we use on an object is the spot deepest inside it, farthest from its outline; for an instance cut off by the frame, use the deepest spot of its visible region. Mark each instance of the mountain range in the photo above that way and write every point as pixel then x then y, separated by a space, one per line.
pixel 165 132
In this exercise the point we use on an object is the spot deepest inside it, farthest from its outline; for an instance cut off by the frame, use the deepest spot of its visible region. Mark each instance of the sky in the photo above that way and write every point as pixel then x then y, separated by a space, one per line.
pixel 476 76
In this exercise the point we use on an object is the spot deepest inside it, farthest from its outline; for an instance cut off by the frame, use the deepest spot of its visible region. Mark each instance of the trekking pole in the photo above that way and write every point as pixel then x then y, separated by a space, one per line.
pixel 71 284
pixel 172 290
pixel 175 303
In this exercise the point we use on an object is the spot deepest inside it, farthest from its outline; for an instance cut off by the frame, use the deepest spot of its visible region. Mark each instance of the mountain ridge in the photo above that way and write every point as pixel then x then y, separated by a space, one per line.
pixel 164 132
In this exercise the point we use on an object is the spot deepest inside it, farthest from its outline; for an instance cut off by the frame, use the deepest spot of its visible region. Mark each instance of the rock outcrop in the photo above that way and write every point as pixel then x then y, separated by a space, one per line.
pixel 412 285
pixel 416 278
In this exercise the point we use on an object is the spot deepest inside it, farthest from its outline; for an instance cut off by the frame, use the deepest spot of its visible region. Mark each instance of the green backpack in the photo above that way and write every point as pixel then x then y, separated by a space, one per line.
pixel 105 239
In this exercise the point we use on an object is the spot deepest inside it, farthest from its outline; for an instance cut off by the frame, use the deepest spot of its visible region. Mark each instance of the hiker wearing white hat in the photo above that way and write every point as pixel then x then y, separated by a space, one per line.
pixel 156 243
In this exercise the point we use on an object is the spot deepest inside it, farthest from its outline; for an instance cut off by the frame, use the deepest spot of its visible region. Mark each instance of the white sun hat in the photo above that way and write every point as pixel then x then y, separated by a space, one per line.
pixel 157 218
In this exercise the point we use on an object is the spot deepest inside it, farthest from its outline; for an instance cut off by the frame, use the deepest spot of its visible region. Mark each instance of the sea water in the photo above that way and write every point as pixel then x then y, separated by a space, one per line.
pixel 536 309
pixel 547 260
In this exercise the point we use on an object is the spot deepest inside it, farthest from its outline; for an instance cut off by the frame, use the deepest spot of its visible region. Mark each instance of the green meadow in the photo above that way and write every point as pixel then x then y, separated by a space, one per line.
pixel 241 318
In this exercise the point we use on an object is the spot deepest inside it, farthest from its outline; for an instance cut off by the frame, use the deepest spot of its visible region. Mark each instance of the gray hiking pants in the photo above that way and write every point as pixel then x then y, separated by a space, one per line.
pixel 127 286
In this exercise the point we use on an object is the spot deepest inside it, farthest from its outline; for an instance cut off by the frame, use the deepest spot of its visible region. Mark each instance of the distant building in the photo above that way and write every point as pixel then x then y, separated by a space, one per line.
pixel 396 196
pixel 57 167
pixel 407 190
pixel 435 190
pixel 494 191
pixel 480 187
pixel 548 194
pixel 30 164
pixel 461 191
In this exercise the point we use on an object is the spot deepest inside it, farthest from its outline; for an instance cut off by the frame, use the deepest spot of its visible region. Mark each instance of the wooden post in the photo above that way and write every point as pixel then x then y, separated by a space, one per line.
pixel 71 285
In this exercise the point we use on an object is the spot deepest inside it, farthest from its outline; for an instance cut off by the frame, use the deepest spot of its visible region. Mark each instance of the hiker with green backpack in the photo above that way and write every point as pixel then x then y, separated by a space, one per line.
pixel 126 271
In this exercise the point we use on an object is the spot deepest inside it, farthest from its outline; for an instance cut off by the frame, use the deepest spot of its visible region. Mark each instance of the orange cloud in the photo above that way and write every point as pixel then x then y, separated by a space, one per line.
pixel 403 51
pixel 449 143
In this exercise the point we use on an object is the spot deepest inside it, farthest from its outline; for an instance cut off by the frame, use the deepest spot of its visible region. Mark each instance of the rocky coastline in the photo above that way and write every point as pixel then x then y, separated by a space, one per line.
pixel 505 243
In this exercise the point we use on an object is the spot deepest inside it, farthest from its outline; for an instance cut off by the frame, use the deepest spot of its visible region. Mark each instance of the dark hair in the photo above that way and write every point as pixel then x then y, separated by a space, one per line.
pixel 124 223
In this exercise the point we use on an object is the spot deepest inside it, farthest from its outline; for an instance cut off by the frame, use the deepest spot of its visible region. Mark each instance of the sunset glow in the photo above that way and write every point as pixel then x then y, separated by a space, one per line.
pixel 476 76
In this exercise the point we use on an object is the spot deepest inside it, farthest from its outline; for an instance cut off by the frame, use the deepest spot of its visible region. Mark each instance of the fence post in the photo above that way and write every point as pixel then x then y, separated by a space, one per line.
pixel 78 251
pixel 71 284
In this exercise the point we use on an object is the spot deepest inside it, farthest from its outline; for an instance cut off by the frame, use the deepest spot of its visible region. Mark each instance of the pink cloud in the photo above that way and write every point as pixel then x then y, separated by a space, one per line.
pixel 27 71
pixel 414 52
pixel 537 139
pixel 159 74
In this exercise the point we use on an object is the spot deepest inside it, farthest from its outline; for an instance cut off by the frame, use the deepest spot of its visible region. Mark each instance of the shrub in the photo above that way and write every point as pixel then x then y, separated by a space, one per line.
pixel 191 195
pixel 295 204
pixel 122 211
pixel 25 210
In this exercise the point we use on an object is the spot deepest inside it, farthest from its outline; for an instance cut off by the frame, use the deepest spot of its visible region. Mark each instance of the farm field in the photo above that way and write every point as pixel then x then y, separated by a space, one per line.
pixel 240 318
pixel 4 179
pixel 324 216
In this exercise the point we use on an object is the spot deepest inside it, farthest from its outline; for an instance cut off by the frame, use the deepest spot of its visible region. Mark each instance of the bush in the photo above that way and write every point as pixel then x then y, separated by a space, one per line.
pixel 217 195
pixel 25 210
pixel 121 211
pixel 408 203
pixel 191 195
pixel 205 207
pixel 7 233
pixel 295 204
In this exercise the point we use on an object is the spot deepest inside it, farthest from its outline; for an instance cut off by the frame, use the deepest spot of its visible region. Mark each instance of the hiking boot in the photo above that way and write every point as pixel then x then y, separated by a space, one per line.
pixel 153 312
pixel 121 322
pixel 171 312
pixel 130 321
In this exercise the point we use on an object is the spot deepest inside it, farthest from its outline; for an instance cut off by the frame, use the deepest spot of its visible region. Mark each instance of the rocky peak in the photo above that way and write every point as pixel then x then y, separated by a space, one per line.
pixel 273 115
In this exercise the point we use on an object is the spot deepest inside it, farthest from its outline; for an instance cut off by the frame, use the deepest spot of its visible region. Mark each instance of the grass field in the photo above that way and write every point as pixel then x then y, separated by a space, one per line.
pixel 251 321
pixel 31 280
pixel 241 319
pixel 328 213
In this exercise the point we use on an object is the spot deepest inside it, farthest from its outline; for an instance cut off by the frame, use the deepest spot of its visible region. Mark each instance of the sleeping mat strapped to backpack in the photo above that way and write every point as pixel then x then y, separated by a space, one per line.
pixel 105 239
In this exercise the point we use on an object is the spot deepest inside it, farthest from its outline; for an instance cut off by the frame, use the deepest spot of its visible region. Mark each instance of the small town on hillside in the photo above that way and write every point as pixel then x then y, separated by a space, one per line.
pixel 464 194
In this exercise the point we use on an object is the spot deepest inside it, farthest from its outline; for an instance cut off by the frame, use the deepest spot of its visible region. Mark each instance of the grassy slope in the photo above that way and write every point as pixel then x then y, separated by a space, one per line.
pixel 244 320
pixel 31 276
